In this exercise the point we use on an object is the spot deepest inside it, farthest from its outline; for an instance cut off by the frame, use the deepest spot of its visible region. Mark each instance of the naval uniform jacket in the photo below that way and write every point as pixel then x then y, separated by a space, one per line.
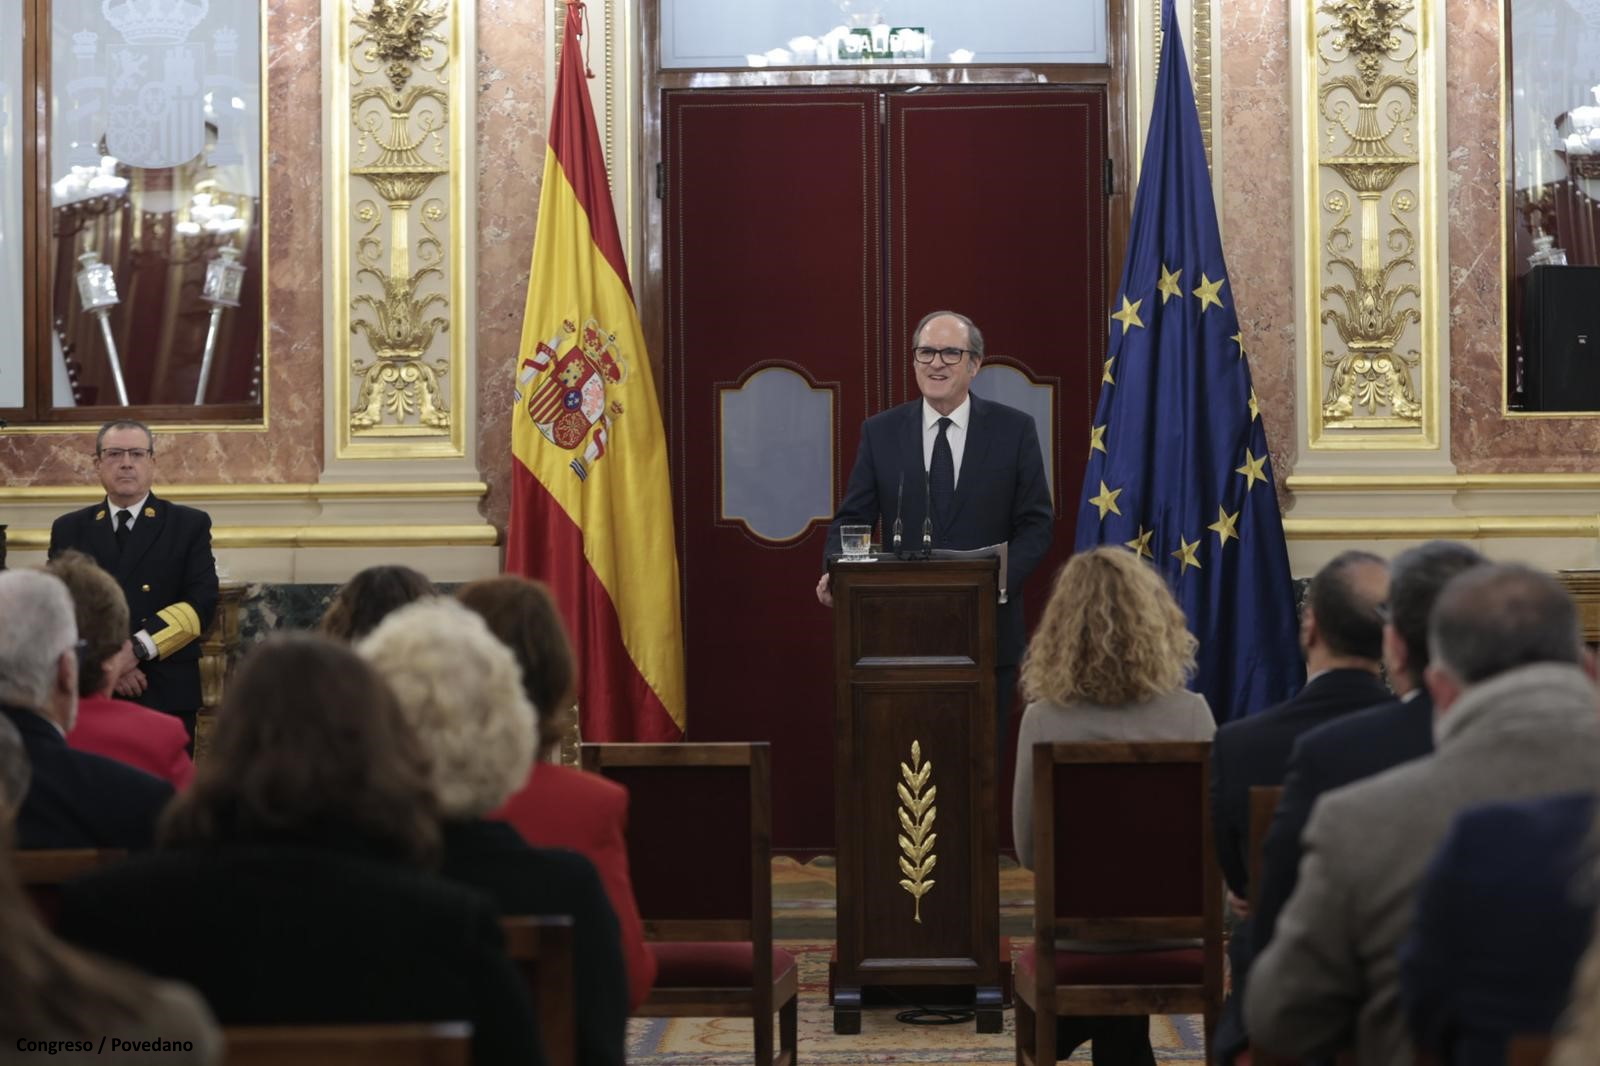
pixel 169 577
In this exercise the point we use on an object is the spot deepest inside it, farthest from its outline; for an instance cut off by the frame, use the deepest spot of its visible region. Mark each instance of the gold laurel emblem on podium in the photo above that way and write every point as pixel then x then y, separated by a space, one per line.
pixel 917 813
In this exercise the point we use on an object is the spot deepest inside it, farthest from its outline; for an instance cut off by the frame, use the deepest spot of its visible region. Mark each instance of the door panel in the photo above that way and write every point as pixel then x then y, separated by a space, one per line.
pixel 995 208
pixel 803 236
pixel 772 243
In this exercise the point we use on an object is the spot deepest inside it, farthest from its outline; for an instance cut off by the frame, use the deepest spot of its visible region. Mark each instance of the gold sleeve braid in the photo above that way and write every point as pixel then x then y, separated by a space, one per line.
pixel 182 627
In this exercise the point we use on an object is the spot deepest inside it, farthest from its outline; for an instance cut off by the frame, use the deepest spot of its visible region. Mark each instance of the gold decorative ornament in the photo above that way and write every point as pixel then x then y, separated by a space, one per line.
pixel 1371 217
pixel 399 289
pixel 917 814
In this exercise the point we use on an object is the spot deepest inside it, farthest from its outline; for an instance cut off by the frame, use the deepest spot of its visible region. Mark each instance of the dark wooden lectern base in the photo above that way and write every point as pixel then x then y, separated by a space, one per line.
pixel 918 872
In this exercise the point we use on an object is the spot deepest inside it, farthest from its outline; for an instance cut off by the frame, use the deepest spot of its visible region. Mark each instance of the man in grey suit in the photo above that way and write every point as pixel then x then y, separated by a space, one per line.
pixel 1516 716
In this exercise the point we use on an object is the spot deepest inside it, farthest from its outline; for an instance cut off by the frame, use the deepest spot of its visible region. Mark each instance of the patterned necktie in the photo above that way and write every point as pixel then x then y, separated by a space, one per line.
pixel 124 527
pixel 941 480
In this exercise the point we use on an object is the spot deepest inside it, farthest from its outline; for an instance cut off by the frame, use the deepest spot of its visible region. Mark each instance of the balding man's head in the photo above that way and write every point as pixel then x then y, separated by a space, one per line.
pixel 1345 606
pixel 1491 619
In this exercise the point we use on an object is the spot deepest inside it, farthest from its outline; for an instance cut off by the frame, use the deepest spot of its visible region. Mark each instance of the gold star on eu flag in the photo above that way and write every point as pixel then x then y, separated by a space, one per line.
pixel 1097 439
pixel 1185 554
pixel 1238 338
pixel 1252 470
pixel 1106 374
pixel 1255 407
pixel 1107 500
pixel 1208 292
pixel 1226 525
pixel 1168 285
pixel 1140 545
pixel 1129 315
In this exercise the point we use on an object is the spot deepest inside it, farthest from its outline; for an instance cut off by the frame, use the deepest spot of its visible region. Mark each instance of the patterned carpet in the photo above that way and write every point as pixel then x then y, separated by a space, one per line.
pixel 803 917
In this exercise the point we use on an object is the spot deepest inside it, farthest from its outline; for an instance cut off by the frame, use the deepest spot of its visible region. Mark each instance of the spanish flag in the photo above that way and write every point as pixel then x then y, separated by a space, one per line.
pixel 591 510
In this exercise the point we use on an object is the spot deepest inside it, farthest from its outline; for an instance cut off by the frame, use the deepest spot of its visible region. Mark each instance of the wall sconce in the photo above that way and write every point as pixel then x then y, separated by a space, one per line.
pixel 224 282
pixel 97 291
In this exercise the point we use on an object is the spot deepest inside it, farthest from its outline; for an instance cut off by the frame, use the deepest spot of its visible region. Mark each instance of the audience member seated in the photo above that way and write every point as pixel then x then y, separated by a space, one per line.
pixel 50 991
pixel 76 799
pixel 1515 719
pixel 363 601
pixel 154 742
pixel 1363 744
pixel 1341 634
pixel 1503 915
pixel 561 806
pixel 461 691
pixel 1108 661
pixel 291 884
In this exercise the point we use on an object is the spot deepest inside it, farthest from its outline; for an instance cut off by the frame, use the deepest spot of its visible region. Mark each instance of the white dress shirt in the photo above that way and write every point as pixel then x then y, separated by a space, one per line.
pixel 956 434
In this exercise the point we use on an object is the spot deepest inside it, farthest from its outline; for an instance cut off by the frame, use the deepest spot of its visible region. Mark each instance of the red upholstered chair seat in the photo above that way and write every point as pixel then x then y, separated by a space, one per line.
pixel 1177 966
pixel 712 964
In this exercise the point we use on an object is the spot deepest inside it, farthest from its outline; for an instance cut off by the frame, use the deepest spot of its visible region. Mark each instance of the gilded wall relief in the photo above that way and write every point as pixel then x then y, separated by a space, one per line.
pixel 400 263
pixel 1371 211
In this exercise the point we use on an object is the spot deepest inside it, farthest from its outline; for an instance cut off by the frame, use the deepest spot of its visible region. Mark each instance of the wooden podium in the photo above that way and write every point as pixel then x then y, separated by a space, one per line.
pixel 914 781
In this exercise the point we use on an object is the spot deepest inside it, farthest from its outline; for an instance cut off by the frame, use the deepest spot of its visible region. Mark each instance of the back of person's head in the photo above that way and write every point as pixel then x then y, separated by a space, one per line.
pixel 1494 618
pixel 1416 577
pixel 461 691
pixel 522 614
pixel 310 747
pixel 1346 600
pixel 16 772
pixel 37 629
pixel 102 616
pixel 49 989
pixel 368 598
pixel 1111 633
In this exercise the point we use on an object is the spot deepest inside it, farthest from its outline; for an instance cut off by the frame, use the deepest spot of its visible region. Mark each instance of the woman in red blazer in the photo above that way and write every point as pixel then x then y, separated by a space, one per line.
pixel 562 807
pixel 154 742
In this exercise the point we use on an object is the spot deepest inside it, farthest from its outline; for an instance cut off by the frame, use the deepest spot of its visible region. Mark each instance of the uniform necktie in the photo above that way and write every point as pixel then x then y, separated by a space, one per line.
pixel 941 479
pixel 124 527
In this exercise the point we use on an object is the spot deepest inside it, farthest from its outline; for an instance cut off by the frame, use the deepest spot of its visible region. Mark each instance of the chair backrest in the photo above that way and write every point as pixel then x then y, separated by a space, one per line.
pixel 541 946
pixel 427 1044
pixel 44 871
pixel 1263 805
pixel 705 808
pixel 1122 842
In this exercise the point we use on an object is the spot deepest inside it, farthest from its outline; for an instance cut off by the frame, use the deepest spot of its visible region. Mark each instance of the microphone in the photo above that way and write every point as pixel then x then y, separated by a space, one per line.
pixel 899 504
pixel 927 515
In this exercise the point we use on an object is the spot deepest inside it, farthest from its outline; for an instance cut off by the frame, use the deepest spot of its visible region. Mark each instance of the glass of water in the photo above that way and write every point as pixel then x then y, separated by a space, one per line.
pixel 856 541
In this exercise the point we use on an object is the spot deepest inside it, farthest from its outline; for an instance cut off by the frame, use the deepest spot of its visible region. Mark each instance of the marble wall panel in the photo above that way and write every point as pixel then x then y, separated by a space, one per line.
pixel 291 448
pixel 1257 205
pixel 513 118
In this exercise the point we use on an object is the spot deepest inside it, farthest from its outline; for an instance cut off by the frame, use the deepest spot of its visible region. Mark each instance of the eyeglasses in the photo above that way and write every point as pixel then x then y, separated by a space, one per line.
pixel 947 356
pixel 116 455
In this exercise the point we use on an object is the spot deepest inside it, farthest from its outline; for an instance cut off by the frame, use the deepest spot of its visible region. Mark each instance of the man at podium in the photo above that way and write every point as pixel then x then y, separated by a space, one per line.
pixel 956 471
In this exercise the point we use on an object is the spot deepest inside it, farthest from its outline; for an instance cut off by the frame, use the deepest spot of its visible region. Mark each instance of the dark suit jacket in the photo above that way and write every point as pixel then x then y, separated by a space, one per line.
pixel 1255 751
pixel 1001 496
pixel 298 934
pixel 167 560
pixel 1351 749
pixel 81 800
pixel 522 880
pixel 1504 913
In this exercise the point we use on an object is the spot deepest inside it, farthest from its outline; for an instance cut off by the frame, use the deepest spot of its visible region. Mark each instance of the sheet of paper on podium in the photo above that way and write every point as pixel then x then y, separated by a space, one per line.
pixel 994 551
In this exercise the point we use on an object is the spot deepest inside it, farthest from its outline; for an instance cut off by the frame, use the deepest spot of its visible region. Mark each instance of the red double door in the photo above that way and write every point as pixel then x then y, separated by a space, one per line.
pixel 805 234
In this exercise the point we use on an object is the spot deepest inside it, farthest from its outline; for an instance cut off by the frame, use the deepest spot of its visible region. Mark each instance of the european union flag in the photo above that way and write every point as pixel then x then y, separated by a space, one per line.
pixel 1178 468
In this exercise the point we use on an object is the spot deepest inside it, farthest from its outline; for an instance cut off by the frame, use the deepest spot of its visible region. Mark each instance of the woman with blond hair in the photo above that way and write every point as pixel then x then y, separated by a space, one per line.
pixel 1108 661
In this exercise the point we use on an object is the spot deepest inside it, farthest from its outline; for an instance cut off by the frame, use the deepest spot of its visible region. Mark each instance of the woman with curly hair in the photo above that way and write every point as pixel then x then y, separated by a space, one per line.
pixel 368 598
pixel 1108 661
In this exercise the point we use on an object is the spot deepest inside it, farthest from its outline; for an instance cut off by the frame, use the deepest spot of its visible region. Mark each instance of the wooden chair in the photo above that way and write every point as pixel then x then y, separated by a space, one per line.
pixel 44 871
pixel 1122 852
pixel 1530 1050
pixel 1263 805
pixel 541 946
pixel 427 1044
pixel 700 848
